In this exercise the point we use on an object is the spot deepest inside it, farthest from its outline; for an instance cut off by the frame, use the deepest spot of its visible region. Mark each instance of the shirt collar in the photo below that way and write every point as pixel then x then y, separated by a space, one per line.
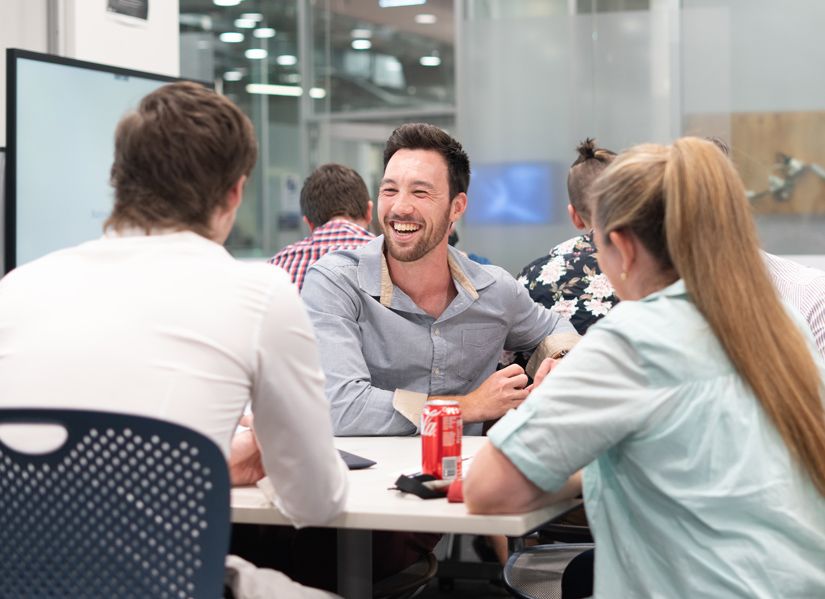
pixel 374 274
pixel 158 235
pixel 340 225
pixel 675 289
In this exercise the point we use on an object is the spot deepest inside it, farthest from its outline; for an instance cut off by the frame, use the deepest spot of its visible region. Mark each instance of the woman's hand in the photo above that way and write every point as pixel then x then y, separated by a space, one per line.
pixel 547 365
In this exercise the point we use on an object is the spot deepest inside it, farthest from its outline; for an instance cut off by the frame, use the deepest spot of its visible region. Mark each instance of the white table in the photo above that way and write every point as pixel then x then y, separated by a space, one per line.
pixel 371 506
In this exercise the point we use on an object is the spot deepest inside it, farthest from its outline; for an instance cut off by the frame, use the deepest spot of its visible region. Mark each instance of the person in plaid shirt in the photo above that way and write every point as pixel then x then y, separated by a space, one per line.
pixel 337 208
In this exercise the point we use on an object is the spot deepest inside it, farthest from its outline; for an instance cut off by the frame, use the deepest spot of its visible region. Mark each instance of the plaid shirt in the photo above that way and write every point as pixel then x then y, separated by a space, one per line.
pixel 296 258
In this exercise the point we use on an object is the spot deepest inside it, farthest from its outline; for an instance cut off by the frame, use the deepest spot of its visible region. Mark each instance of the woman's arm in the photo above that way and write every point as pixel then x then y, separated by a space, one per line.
pixel 495 486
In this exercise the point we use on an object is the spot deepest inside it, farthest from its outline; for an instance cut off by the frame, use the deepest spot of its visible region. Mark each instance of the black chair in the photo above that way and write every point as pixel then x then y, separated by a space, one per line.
pixel 537 572
pixel 409 582
pixel 126 507
pixel 564 533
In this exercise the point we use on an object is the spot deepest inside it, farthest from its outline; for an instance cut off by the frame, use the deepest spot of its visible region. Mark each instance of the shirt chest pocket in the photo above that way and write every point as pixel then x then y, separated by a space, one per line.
pixel 479 352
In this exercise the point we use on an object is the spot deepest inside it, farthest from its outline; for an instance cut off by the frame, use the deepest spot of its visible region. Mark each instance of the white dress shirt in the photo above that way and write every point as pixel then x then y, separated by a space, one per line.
pixel 804 289
pixel 171 326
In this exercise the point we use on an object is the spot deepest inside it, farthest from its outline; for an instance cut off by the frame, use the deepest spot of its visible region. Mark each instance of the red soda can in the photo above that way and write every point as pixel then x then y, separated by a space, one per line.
pixel 441 430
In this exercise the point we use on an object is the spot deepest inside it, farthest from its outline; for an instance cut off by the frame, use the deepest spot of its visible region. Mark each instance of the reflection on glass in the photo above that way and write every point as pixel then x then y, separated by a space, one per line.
pixel 383 59
pixel 368 69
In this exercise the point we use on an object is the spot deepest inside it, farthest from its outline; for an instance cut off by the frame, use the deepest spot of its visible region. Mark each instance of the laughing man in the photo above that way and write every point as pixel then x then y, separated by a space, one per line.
pixel 407 317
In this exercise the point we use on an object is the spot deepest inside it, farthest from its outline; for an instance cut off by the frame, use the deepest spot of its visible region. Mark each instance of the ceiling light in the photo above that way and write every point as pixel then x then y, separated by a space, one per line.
pixel 425 19
pixel 193 20
pixel 394 3
pixel 245 23
pixel 361 44
pixel 256 53
pixel 361 33
pixel 318 93
pixel 253 16
pixel 291 77
pixel 226 2
pixel 274 90
pixel 264 32
pixel 232 76
pixel 287 60
pixel 231 37
pixel 429 61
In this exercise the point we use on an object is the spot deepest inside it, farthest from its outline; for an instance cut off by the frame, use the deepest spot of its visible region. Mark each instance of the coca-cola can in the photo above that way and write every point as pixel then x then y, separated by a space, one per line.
pixel 441 429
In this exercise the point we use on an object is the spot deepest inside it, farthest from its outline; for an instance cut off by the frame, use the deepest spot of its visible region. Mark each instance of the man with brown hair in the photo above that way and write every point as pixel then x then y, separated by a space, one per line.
pixel 337 209
pixel 157 319
pixel 407 317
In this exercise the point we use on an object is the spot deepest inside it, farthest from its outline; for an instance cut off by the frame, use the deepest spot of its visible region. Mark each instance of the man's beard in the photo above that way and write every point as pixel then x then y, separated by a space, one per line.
pixel 423 245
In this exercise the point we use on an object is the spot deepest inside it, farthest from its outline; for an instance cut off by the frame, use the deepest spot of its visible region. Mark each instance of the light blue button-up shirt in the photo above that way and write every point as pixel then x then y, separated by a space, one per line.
pixel 690 491
pixel 374 340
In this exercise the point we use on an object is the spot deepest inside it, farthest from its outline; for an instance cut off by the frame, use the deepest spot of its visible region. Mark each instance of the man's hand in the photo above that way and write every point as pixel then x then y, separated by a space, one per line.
pixel 245 466
pixel 502 391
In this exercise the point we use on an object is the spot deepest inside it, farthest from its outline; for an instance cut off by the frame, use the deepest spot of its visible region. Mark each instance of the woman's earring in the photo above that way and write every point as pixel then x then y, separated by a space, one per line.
pixel 623 276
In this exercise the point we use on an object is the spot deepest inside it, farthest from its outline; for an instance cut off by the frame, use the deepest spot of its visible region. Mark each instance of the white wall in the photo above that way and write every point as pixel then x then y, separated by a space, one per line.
pixel 23 24
pixel 83 29
pixel 91 33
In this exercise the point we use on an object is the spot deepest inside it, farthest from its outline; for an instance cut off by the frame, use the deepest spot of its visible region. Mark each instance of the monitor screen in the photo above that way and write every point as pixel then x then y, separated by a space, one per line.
pixel 62 115
pixel 514 193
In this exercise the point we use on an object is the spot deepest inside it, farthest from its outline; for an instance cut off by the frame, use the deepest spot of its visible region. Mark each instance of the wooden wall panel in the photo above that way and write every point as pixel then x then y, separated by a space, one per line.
pixel 756 139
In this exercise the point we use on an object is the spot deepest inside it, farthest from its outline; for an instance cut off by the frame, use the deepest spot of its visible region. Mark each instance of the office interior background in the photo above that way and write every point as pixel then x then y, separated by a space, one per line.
pixel 519 82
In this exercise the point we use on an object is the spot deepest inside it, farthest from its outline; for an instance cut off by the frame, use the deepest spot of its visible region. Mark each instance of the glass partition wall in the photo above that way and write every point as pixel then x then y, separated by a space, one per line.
pixel 538 76
pixel 751 74
pixel 520 83
pixel 323 81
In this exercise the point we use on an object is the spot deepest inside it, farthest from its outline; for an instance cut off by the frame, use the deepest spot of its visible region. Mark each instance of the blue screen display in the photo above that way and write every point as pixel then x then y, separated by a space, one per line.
pixel 513 193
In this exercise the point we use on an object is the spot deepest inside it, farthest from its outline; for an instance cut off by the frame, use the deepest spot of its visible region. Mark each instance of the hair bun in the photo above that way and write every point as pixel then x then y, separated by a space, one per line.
pixel 587 149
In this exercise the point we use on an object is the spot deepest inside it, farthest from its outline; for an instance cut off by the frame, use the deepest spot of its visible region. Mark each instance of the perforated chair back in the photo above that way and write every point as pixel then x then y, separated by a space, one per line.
pixel 127 507
pixel 536 573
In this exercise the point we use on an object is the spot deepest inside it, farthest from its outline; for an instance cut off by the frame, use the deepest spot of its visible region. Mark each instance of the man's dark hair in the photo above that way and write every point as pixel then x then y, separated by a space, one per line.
pixel 177 156
pixel 334 190
pixel 423 136
pixel 589 164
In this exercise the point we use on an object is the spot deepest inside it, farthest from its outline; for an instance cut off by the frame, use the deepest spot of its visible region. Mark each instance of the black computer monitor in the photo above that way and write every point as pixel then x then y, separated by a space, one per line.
pixel 2 200
pixel 60 125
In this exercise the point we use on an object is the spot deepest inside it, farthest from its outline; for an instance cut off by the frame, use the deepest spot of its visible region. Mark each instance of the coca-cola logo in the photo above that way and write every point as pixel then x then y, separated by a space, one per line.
pixel 430 428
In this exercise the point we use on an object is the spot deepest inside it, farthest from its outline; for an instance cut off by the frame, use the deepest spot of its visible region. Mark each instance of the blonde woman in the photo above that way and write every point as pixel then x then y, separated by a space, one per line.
pixel 695 407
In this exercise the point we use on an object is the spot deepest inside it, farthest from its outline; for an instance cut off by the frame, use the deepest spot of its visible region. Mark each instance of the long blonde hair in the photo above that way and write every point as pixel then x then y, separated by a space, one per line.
pixel 686 204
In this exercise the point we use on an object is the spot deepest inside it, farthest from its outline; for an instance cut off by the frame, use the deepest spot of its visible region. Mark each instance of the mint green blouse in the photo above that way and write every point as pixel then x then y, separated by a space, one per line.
pixel 689 489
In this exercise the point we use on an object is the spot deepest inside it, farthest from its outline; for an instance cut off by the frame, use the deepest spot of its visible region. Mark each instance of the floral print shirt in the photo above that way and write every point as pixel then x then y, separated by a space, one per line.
pixel 569 282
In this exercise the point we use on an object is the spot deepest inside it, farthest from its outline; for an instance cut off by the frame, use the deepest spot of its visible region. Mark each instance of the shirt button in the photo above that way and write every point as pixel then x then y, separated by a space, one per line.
pixel 436 371
pixel 437 332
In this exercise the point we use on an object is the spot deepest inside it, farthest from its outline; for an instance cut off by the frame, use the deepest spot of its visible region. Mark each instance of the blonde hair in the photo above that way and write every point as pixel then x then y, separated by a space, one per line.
pixel 686 204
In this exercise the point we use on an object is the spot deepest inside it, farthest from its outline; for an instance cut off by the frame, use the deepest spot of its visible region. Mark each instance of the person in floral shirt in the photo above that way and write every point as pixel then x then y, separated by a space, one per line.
pixel 568 280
